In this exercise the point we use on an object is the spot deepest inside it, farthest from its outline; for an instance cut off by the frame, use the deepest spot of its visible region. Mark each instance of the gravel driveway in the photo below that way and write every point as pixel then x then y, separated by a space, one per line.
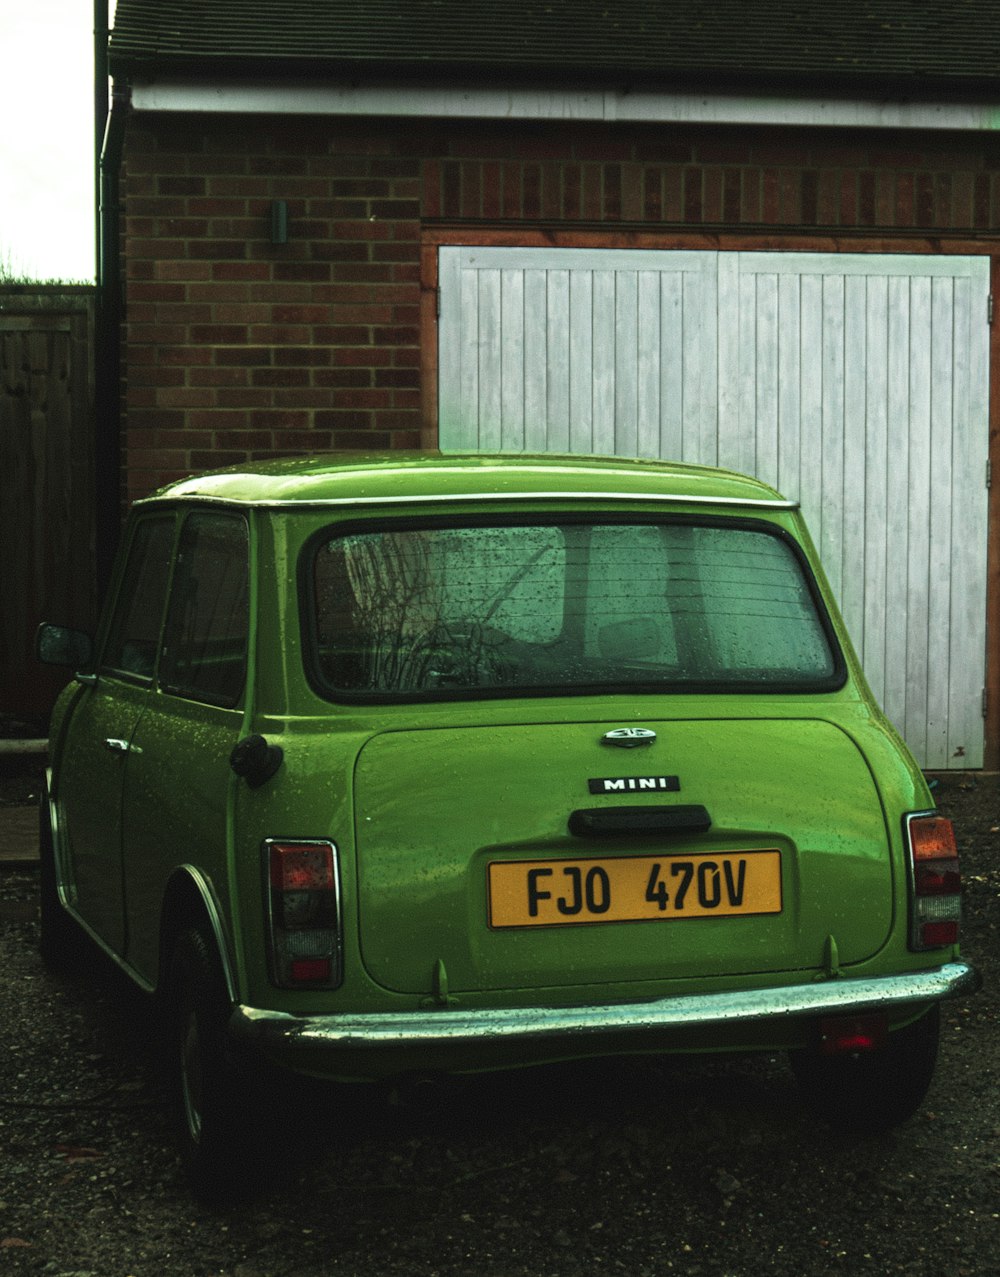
pixel 637 1166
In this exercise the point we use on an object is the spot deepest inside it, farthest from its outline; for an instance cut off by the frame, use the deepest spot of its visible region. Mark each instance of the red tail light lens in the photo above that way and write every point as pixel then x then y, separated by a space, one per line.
pixel 853 1035
pixel 303 914
pixel 936 883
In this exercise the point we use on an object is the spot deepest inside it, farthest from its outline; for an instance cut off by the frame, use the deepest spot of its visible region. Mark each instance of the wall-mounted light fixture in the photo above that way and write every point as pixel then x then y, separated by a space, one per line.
pixel 279 221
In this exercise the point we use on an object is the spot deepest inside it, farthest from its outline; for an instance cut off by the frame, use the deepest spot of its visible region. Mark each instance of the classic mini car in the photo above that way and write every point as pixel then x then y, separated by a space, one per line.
pixel 414 763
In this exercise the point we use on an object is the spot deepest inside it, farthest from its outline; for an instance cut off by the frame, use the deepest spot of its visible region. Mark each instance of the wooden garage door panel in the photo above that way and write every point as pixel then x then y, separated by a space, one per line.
pixel 584 351
pixel 856 383
pixel 861 390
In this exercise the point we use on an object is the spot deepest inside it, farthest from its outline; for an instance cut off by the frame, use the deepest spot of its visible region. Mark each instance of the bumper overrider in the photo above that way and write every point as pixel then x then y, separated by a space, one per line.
pixel 457 1027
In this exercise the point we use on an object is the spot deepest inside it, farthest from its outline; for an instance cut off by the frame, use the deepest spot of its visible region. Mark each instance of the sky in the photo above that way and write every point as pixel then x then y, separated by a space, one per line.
pixel 47 139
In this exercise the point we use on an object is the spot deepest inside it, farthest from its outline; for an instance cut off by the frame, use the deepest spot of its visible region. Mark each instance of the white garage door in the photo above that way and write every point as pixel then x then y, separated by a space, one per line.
pixel 855 383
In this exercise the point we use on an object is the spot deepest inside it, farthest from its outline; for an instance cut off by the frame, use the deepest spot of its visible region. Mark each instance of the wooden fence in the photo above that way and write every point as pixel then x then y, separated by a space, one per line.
pixel 47 517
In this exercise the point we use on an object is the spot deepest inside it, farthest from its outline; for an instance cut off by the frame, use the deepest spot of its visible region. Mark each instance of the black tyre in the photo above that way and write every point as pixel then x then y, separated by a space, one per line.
pixel 876 1090
pixel 216 1102
pixel 60 940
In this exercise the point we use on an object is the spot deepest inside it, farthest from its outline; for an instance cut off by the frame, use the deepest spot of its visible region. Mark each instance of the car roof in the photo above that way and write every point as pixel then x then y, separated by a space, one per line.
pixel 407 478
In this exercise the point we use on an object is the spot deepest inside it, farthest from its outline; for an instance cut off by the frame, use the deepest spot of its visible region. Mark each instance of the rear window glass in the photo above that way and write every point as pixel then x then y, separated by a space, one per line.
pixel 574 606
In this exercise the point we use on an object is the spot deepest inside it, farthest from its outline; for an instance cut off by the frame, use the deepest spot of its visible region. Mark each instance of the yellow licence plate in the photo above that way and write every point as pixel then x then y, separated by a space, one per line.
pixel 545 893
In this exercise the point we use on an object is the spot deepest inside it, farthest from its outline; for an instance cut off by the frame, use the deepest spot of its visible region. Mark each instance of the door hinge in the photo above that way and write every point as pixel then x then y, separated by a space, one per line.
pixel 986 701
pixel 989 308
pixel 989 473
pixel 437 304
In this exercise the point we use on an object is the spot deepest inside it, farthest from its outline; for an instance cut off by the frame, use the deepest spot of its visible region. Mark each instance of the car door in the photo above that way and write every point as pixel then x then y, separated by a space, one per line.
pixel 99 747
pixel 179 781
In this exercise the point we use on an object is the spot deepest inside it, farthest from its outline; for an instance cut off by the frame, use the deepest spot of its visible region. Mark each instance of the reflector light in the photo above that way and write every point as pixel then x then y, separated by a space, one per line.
pixel 310 970
pixel 934 934
pixel 849 1035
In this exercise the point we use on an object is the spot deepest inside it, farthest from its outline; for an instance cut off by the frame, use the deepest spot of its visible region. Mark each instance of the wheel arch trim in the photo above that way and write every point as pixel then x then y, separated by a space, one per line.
pixel 187 881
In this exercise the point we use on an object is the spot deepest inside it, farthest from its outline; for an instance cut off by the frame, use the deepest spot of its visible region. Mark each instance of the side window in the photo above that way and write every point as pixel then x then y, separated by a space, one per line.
pixel 205 640
pixel 135 623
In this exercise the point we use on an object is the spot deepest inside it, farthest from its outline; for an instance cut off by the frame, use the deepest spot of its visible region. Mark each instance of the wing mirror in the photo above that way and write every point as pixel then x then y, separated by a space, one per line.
pixel 59 645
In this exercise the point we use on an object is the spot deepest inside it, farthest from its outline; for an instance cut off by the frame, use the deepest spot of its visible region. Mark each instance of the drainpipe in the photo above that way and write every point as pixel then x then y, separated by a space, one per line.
pixel 107 335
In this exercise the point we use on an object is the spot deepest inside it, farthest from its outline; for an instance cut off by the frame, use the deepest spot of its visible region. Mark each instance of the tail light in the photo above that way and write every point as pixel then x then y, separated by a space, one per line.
pixel 936 884
pixel 303 914
pixel 853 1035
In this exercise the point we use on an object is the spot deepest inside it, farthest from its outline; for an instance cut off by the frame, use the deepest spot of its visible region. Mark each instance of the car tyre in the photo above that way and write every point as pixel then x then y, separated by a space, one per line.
pixel 871 1091
pixel 60 939
pixel 214 1096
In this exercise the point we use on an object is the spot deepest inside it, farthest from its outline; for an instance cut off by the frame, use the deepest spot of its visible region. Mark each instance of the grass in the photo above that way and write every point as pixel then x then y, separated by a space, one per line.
pixel 10 275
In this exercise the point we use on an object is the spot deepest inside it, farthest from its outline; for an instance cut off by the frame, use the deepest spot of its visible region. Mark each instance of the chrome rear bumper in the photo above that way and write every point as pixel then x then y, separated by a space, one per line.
pixel 458 1026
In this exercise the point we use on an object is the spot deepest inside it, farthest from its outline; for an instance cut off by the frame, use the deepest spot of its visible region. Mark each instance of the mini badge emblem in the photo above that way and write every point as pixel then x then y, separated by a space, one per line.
pixel 629 737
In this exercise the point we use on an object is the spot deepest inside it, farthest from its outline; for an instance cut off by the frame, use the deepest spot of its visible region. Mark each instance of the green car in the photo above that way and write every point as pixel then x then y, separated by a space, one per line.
pixel 404 764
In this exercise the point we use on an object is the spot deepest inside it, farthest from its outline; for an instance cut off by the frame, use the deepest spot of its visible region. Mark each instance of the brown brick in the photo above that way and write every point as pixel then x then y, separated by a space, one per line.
pixel 190 186
pixel 281 377
pixel 925 199
pixel 981 205
pixel 218 419
pixel 184 355
pixel 770 195
pixel 652 194
pixel 492 199
pixel 692 195
pixel 217 249
pixel 942 199
pixel 848 198
pixel 217 458
pixel 632 193
pixel 673 194
pixel 307 356
pixel 220 334
pixel 531 191
pixel 962 194
pixel 244 397
pixel 511 190
pixel 712 189
pixel 359 440
pixel 885 199
pixel 299 314
pixel 361 357
pixel 301 272
pixel 158 292
pixel 243 356
pixel 337 420
pixel 472 192
pixel 241 270
pixel 332 378
pixel 217 376
pixel 332 250
pixel 183 270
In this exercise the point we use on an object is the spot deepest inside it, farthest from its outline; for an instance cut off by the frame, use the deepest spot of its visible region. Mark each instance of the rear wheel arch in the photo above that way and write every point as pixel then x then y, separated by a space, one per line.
pixel 189 903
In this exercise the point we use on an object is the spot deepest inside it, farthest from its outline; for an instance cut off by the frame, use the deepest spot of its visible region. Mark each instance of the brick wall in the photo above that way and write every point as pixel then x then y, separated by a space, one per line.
pixel 237 348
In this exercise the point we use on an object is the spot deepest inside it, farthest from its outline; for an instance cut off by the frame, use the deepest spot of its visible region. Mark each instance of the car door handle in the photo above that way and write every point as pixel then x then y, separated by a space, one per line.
pixel 116 744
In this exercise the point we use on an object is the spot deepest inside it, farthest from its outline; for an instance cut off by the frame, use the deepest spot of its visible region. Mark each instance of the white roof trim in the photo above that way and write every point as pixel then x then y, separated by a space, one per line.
pixel 478 498
pixel 559 104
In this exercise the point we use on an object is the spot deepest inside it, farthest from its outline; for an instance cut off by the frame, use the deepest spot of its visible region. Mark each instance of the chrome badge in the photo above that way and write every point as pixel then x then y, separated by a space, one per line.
pixel 629 737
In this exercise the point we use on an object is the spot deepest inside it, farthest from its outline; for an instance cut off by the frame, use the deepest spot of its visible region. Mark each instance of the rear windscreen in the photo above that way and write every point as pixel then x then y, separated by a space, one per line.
pixel 421 611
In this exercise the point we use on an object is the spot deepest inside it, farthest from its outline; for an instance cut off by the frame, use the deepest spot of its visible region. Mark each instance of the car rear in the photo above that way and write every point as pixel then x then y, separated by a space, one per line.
pixel 603 774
